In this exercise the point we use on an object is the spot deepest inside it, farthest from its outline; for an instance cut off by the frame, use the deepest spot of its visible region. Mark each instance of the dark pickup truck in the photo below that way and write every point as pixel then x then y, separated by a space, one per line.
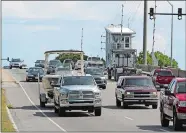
pixel 162 77
pixel 173 104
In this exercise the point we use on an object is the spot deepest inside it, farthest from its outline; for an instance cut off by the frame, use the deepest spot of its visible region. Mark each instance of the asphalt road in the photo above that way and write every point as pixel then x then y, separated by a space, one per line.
pixel 28 116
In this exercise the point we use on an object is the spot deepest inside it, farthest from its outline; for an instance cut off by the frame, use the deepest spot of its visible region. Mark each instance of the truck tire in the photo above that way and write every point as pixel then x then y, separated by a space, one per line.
pixel 125 106
pixel 20 67
pixel 10 67
pixel 42 104
pixel 118 103
pixel 164 121
pixel 97 111
pixel 55 110
pixel 61 111
pixel 104 87
pixel 177 125
pixel 154 106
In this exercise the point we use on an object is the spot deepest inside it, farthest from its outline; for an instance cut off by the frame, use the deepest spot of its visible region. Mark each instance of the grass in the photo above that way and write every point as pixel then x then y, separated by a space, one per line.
pixel 7 125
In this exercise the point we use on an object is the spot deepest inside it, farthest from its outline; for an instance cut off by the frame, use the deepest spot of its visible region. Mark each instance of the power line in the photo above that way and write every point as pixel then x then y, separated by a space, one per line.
pixel 132 20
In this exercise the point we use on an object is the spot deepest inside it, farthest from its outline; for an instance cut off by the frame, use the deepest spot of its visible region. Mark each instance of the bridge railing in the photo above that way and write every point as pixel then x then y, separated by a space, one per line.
pixel 149 68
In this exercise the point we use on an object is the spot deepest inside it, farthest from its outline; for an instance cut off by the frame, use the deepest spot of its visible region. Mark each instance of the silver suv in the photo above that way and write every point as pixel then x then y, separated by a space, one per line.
pixel 77 93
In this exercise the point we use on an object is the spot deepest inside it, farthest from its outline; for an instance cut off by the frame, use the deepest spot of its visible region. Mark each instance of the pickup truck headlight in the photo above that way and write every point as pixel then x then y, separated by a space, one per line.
pixel 182 104
pixel 97 95
pixel 153 94
pixel 64 96
pixel 129 94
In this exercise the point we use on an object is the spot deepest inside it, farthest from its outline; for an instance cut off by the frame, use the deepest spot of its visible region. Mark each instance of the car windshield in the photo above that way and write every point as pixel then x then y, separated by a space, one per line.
pixel 54 80
pixel 67 61
pixel 54 62
pixel 40 61
pixel 36 70
pixel 94 58
pixel 181 87
pixel 165 73
pixel 94 71
pixel 138 82
pixel 62 68
pixel 16 60
pixel 79 80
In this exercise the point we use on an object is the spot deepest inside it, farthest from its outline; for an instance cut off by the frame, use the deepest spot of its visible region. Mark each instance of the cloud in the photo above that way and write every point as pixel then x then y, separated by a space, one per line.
pixel 93 10
pixel 35 28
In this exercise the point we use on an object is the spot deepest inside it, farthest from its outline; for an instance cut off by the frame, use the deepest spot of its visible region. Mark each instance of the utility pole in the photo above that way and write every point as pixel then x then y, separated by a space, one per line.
pixel 82 40
pixel 154 29
pixel 171 30
pixel 121 23
pixel 145 34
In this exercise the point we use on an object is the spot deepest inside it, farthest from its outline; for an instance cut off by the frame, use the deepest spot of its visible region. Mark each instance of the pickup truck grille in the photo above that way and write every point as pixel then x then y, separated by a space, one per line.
pixel 78 95
pixel 141 94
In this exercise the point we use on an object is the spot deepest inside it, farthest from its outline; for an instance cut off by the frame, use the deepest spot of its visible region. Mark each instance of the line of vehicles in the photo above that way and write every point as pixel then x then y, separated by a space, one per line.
pixel 70 90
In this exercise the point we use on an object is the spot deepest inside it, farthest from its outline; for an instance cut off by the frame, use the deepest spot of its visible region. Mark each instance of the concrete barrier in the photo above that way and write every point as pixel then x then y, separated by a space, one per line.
pixel 149 68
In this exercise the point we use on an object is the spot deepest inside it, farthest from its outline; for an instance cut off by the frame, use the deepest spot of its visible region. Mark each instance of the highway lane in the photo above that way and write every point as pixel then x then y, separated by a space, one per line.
pixel 113 119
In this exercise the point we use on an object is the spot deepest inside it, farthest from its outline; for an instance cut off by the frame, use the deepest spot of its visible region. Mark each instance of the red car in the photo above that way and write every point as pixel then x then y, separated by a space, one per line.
pixel 173 104
pixel 162 77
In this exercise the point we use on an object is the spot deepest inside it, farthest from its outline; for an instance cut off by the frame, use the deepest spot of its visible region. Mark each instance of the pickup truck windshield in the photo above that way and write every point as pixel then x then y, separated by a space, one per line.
pixel 78 80
pixel 138 82
pixel 94 71
pixel 165 73
pixel 54 62
pixel 16 60
pixel 181 87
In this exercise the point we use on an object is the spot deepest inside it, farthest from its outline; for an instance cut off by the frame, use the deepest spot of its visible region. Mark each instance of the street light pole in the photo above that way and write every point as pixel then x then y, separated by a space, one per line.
pixel 171 31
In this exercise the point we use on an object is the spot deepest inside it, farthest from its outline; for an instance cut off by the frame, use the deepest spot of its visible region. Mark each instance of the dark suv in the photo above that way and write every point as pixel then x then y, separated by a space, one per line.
pixel 173 104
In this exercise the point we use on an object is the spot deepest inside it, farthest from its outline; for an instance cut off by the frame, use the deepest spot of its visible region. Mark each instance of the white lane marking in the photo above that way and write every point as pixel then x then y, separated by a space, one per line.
pixel 11 119
pixel 128 118
pixel 62 129
pixel 163 130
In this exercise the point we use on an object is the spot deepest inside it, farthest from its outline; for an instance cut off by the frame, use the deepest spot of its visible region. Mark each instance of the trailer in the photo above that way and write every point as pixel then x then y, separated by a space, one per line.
pixel 50 80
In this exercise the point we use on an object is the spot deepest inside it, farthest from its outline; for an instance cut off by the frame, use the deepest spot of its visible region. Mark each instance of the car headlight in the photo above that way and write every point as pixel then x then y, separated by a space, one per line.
pixel 64 95
pixel 97 95
pixel 182 104
pixel 103 78
pixel 129 93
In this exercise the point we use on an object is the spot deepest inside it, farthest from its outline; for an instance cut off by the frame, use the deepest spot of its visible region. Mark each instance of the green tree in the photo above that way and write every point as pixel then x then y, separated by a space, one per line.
pixel 163 60
pixel 140 58
pixel 74 57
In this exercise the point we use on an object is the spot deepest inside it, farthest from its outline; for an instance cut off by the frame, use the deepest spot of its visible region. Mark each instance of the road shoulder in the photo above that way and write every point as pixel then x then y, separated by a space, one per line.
pixel 8 124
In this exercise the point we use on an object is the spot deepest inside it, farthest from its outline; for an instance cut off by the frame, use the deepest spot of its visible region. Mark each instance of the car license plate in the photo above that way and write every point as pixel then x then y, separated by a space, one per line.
pixel 36 77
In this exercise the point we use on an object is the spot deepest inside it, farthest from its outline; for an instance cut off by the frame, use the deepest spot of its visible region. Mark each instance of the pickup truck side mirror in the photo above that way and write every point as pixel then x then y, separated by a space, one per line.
pixel 118 86
pixel 167 92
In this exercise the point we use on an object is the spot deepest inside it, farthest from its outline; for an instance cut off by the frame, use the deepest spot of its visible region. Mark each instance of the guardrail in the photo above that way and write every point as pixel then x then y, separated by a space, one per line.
pixel 149 68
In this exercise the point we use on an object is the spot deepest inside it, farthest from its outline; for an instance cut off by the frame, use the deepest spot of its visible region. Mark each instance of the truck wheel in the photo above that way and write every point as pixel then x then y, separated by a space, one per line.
pixel 155 106
pixel 42 104
pixel 55 109
pixel 177 125
pixel 104 87
pixel 125 105
pixel 20 67
pixel 97 111
pixel 10 67
pixel 61 111
pixel 164 121
pixel 118 103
